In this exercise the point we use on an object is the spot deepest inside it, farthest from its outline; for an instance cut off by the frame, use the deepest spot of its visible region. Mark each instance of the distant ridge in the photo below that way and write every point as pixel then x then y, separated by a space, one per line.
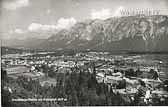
pixel 132 33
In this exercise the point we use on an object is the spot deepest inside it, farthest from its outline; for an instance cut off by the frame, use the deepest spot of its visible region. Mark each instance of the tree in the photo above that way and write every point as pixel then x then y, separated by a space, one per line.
pixel 92 82
pixel 3 74
pixel 6 98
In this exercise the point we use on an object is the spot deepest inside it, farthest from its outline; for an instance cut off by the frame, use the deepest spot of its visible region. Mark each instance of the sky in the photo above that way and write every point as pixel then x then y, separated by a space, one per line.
pixel 41 18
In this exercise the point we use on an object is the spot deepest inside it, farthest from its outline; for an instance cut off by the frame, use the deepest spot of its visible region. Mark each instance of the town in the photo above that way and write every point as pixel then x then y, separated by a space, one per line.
pixel 136 79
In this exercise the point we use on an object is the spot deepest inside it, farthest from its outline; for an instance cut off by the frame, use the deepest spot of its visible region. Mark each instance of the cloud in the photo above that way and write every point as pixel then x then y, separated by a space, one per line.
pixel 19 31
pixel 102 14
pixel 16 31
pixel 62 23
pixel 117 13
pixel 15 4
pixel 48 11
pixel 37 27
pixel 106 13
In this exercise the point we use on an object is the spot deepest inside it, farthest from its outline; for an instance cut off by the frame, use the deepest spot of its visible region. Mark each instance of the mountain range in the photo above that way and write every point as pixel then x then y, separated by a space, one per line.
pixel 129 33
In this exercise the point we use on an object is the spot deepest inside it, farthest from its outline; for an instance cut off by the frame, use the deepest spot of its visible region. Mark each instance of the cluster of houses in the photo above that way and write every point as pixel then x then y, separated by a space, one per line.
pixel 121 73
pixel 125 80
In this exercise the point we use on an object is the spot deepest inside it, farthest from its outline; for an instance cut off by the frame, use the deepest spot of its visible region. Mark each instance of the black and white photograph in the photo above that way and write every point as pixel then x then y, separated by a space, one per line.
pixel 83 53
